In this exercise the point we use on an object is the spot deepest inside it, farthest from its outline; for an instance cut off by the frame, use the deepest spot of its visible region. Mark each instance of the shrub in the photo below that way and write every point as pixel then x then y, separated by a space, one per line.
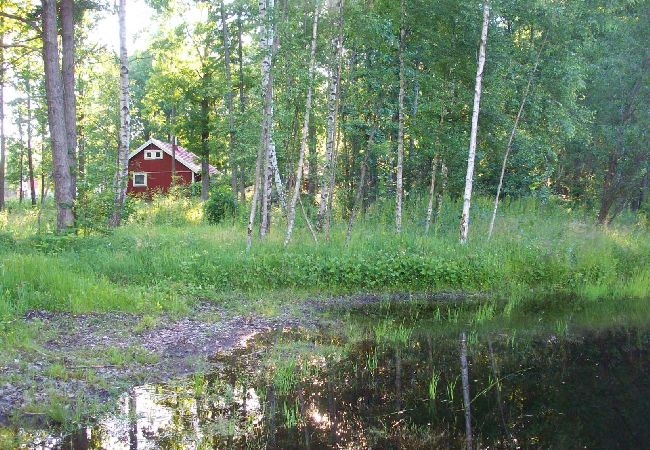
pixel 221 204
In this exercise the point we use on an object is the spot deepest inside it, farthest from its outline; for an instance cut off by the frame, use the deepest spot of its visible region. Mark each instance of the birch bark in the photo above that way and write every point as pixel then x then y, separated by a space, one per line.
pixel 332 112
pixel 30 159
pixel 400 127
pixel 432 189
pixel 267 110
pixel 2 118
pixel 469 178
pixel 231 117
pixel 122 173
pixel 291 213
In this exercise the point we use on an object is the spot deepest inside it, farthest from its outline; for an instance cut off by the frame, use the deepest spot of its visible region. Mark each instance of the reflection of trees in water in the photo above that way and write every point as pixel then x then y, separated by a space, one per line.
pixel 562 393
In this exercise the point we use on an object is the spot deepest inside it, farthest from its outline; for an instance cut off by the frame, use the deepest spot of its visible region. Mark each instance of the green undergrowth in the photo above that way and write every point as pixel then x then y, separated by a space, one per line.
pixel 151 267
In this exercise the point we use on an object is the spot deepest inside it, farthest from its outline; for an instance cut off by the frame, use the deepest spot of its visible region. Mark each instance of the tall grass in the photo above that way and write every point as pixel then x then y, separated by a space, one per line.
pixel 538 249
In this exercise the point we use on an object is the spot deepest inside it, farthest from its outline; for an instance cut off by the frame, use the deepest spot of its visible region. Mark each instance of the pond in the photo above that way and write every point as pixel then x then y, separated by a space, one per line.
pixel 390 377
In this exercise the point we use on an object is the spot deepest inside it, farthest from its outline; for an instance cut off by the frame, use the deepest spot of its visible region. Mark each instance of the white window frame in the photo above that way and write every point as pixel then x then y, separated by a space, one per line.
pixel 153 154
pixel 144 174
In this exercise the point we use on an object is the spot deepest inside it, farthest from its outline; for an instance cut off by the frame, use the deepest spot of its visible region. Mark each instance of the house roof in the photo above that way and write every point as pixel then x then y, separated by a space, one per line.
pixel 184 156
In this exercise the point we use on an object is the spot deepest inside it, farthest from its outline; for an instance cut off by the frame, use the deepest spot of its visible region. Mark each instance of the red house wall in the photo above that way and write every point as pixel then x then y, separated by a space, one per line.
pixel 159 172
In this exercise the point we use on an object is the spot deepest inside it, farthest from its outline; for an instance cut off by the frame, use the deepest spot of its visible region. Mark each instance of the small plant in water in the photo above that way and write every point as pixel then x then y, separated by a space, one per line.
pixel 372 361
pixel 433 385
pixel 561 327
pixel 451 387
pixel 290 414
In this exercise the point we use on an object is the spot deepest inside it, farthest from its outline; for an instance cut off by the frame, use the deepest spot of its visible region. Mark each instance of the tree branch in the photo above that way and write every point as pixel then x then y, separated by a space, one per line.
pixel 24 20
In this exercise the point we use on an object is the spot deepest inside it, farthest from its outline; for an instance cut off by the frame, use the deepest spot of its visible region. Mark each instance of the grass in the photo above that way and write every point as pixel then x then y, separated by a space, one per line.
pixel 166 258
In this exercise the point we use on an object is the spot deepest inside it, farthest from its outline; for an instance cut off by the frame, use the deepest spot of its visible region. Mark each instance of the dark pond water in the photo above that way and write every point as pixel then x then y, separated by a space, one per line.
pixel 384 382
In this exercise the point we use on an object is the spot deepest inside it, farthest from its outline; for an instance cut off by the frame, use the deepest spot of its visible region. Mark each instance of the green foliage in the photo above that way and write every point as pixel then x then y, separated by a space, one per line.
pixel 221 204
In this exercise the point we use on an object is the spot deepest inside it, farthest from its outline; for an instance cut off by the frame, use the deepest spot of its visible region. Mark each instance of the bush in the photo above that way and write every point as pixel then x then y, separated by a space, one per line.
pixel 221 204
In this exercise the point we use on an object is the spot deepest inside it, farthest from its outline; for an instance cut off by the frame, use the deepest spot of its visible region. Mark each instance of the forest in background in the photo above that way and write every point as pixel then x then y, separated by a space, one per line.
pixel 565 96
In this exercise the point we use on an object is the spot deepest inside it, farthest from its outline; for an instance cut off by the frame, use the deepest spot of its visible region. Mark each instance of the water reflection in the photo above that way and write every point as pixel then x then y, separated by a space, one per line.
pixel 399 390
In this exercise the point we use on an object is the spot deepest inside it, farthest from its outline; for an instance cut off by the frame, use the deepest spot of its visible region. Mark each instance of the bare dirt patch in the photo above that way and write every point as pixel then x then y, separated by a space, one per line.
pixel 96 356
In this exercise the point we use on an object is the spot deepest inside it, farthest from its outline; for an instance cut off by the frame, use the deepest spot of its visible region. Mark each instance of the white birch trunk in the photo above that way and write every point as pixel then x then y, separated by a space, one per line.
pixel 267 112
pixel 2 118
pixel 291 213
pixel 510 139
pixel 362 182
pixel 231 117
pixel 332 112
pixel 400 129
pixel 441 194
pixel 432 189
pixel 469 178
pixel 122 173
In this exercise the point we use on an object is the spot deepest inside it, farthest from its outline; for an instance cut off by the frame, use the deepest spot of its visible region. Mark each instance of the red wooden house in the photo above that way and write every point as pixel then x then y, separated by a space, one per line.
pixel 150 167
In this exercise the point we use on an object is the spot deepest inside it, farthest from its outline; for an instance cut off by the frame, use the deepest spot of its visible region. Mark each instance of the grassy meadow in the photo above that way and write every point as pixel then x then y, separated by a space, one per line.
pixel 166 257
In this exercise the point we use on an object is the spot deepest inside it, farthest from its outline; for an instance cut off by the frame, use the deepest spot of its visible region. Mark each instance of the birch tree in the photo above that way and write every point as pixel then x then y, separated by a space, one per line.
pixel 242 99
pixel 2 118
pixel 62 172
pixel 510 139
pixel 332 113
pixel 291 213
pixel 122 173
pixel 441 193
pixel 267 110
pixel 469 178
pixel 400 126
pixel 432 189
pixel 231 117
pixel 30 156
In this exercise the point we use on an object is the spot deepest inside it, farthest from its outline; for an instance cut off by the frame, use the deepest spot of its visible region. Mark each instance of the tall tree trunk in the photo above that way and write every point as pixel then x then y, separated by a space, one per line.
pixel 400 126
pixel 62 174
pixel 2 118
pixel 362 184
pixel 266 11
pixel 122 173
pixel 81 140
pixel 441 194
pixel 291 213
pixel 313 162
pixel 469 178
pixel 231 116
pixel 42 166
pixel 256 194
pixel 21 165
pixel 512 136
pixel 242 102
pixel 414 112
pixel 432 189
pixel 261 182
pixel 174 148
pixel 30 159
pixel 332 113
pixel 69 100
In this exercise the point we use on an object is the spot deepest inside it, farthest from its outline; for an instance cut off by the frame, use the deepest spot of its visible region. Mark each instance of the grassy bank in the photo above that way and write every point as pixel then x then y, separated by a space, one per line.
pixel 166 257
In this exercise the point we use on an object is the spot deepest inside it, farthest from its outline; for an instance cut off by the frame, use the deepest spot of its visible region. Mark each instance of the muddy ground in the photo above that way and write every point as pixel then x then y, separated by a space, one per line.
pixel 93 358
pixel 96 356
